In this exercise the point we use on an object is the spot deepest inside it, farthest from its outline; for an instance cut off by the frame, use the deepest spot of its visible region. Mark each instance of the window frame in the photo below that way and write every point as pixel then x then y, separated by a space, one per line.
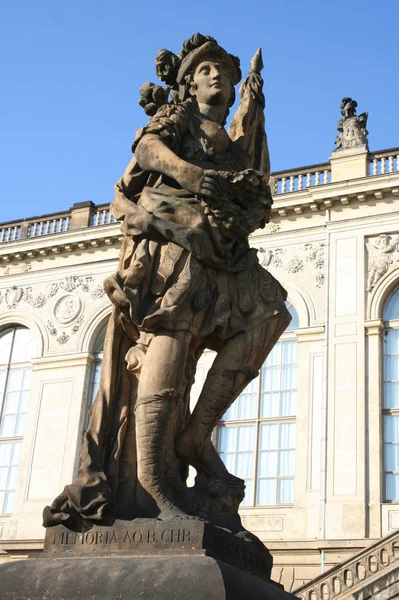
pixel 258 421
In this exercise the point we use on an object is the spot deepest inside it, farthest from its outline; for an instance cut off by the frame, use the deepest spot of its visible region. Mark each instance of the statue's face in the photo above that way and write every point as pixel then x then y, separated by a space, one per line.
pixel 211 83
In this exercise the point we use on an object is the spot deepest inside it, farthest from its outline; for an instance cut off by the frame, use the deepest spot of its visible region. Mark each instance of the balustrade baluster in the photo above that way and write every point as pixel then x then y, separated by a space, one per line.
pixel 300 182
pixel 397 163
pixel 375 167
pixel 40 228
pixel 292 183
pixel 283 185
pixel 1 236
pixel 325 179
pixel 390 164
pixel 383 165
pixel 308 179
pixel 67 222
pixel 104 218
pixel 317 178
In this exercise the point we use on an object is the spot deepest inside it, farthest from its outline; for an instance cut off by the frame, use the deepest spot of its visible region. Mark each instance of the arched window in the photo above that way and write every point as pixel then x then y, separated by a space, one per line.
pixel 98 348
pixel 256 438
pixel 391 397
pixel 16 349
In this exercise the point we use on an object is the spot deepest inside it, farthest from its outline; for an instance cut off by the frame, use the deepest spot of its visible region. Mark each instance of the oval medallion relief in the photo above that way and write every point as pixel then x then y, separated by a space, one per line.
pixel 67 308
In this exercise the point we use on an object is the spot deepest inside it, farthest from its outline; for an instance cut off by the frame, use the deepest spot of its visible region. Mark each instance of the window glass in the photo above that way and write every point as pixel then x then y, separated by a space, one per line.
pixel 16 349
pixel 391 311
pixel 295 319
pixel 98 348
pixel 391 398
pixel 256 439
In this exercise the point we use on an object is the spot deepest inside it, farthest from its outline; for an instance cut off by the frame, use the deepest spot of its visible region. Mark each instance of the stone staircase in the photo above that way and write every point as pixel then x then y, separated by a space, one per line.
pixel 372 573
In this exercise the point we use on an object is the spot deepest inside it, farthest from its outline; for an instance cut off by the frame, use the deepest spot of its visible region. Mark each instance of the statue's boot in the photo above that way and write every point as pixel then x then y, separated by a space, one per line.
pixel 155 426
pixel 235 366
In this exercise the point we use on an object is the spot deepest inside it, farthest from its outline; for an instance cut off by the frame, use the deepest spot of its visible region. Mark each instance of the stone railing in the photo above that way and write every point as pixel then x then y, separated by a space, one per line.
pixel 295 180
pixel 48 226
pixel 102 216
pixel 84 214
pixel 386 161
pixel 355 573
pixel 10 233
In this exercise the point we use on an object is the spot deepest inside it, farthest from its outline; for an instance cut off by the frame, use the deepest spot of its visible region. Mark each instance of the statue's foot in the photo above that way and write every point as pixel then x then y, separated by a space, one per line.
pixel 202 456
pixel 171 512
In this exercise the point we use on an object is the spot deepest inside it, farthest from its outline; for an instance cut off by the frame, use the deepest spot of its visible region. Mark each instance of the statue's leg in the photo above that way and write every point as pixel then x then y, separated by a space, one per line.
pixel 161 386
pixel 237 363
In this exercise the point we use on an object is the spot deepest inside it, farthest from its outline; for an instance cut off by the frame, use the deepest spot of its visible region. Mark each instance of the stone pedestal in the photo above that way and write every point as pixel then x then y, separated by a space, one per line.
pixel 144 560
pixel 350 163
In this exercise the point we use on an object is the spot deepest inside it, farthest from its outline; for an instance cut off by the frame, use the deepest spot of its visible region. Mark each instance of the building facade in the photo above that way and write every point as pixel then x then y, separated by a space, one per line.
pixel 315 436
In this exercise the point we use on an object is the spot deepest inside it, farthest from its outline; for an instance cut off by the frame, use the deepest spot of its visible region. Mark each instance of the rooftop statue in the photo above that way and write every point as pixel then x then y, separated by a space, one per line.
pixel 187 280
pixel 352 128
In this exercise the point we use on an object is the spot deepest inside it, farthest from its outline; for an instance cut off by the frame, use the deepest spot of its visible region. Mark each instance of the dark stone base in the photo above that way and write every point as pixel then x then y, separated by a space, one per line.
pixel 132 578
pixel 151 537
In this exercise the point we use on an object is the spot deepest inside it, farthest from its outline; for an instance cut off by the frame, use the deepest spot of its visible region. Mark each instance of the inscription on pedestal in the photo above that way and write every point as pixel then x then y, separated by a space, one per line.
pixel 121 539
pixel 122 536
pixel 149 537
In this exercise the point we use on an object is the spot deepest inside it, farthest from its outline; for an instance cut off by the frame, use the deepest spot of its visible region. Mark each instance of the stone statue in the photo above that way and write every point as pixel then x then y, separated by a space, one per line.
pixel 383 253
pixel 187 280
pixel 352 128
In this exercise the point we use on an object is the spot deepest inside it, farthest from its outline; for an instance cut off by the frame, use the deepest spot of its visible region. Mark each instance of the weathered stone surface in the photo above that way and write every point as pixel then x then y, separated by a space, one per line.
pixel 187 280
pixel 152 537
pixel 351 127
pixel 127 578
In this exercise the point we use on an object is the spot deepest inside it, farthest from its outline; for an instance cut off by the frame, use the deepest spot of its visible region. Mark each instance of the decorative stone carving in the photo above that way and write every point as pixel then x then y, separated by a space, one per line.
pixel 270 257
pixel 73 282
pixel 352 128
pixel 273 227
pixel 13 296
pixel 36 301
pixel 67 308
pixel 51 328
pixel 18 268
pixel 295 265
pixel 314 254
pixel 64 337
pixel 383 255
pixel 97 292
pixel 311 253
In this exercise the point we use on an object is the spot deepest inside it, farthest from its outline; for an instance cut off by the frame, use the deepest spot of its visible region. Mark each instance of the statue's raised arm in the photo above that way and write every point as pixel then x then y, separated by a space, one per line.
pixel 248 125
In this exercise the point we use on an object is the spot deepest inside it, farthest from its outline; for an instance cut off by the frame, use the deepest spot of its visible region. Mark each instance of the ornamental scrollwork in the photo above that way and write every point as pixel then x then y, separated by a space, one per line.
pixel 15 294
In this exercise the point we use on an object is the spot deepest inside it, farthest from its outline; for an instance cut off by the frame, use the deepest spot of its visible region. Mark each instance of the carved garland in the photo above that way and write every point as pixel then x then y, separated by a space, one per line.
pixel 66 310
pixel 312 253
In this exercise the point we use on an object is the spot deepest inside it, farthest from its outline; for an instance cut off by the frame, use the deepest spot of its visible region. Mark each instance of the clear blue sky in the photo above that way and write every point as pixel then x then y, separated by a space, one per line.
pixel 71 73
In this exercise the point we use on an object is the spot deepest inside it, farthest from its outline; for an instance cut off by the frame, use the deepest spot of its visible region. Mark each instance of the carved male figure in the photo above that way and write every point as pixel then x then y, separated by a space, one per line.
pixel 187 280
